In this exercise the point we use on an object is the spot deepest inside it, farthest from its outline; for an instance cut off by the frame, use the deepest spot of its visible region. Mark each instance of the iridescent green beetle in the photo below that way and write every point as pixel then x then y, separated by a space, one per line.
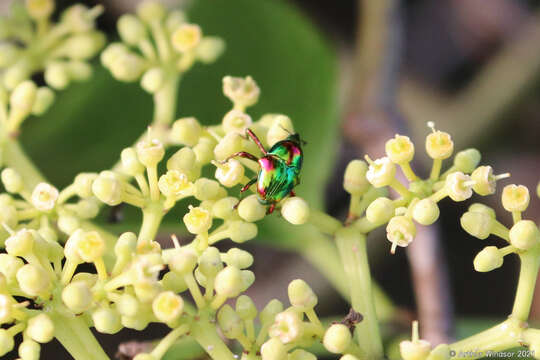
pixel 279 169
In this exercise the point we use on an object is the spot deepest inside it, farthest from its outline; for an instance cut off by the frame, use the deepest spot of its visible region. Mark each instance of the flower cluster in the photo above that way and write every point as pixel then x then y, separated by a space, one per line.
pixel 31 43
pixel 418 199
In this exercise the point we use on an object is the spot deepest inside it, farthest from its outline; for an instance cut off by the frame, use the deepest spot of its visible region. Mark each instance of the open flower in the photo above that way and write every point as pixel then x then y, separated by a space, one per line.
pixel 175 184
pixel 44 196
pixel 197 220
pixel 287 326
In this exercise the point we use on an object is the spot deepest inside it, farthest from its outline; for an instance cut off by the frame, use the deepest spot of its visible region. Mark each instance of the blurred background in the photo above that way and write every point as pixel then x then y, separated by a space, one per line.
pixel 350 74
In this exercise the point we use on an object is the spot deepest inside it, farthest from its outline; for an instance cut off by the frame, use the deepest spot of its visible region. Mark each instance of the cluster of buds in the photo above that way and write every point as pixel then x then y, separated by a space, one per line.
pixel 31 43
pixel 156 45
pixel 523 237
pixel 418 199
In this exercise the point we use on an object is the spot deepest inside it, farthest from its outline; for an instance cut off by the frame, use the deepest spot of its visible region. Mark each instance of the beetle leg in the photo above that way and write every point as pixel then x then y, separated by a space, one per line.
pixel 256 140
pixel 250 182
pixel 292 193
pixel 244 188
pixel 271 209
pixel 241 154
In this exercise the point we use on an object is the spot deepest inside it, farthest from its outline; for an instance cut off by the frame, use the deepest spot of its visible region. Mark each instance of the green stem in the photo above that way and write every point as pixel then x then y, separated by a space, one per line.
pixel 206 335
pixel 525 290
pixel 152 216
pixel 502 336
pixel 165 101
pixel 16 159
pixel 353 251
pixel 73 333
pixel 169 340
pixel 324 223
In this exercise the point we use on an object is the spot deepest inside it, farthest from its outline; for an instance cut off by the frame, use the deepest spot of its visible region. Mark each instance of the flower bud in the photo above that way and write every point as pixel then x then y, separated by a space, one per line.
pixel 488 259
pixel 400 149
pixel 238 258
pixel 82 46
pixel 150 152
pixel 79 18
pixel 381 172
pixel 209 49
pixel 248 278
pixel 175 18
pixel 8 215
pixel 458 186
pixel 9 53
pixel 269 312
pixel 380 211
pixel 337 338
pixel 21 243
pixel 68 223
pixel 83 184
pixel 150 11
pixel 301 296
pixel 524 234
pixel 354 180
pixel 29 350
pixel 206 189
pixel 287 326
pixel 168 307
pixel 230 144
pixel 12 181
pixel 130 162
pixel 77 296
pixel 400 231
pixel 229 322
pixel 174 282
pixel 106 320
pixel 44 99
pixel 6 305
pixel 481 208
pixel 224 208
pixel 273 349
pixel 23 96
pixel 250 209
pixel 9 266
pixel 135 322
pixel 183 261
pixel 295 210
pixel 112 53
pixel 426 212
pixel 153 79
pixel 245 308
pixel 210 262
pixel 40 9
pixel 280 129
pixel 78 70
pixel 467 160
pixel 229 282
pixel 108 188
pixel 127 66
pixel 236 121
pixel 128 305
pixel 515 198
pixel 186 131
pixel 241 231
pixel 56 75
pixel 300 354
pixel 186 37
pixel 204 150
pixel 33 280
pixel 175 184
pixel 439 144
pixel 6 342
pixel 131 29
pixel 184 160
pixel 126 244
pixel 40 328
pixel 91 246
pixel 86 208
pixel 197 220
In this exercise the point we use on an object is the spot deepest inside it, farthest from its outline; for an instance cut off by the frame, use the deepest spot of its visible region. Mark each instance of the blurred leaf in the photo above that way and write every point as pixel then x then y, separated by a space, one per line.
pixel 91 122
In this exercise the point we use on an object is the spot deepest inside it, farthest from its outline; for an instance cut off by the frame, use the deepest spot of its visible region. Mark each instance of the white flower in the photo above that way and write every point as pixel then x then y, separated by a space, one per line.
pixel 44 197
pixel 459 186
pixel 287 326
pixel 381 172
